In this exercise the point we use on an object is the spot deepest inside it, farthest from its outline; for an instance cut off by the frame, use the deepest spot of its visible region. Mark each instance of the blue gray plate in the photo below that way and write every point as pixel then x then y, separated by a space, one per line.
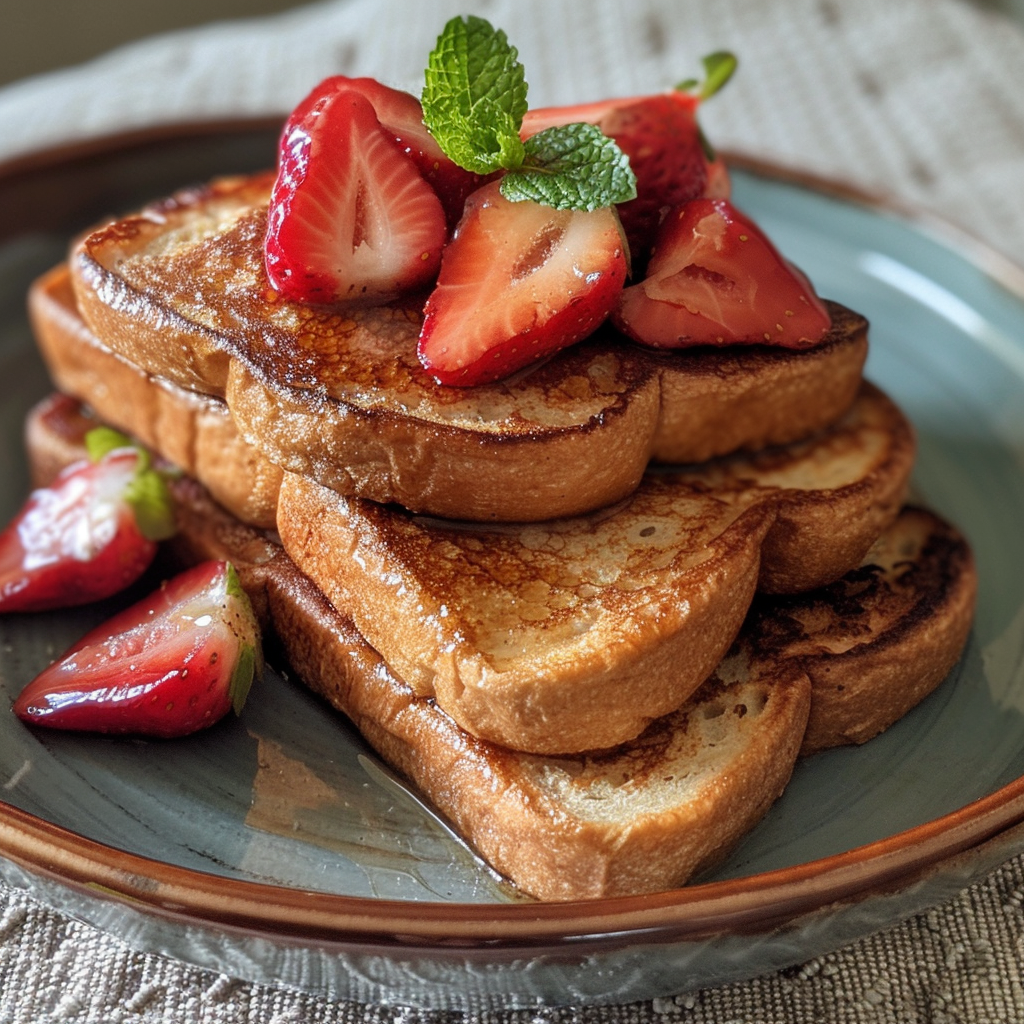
pixel 275 847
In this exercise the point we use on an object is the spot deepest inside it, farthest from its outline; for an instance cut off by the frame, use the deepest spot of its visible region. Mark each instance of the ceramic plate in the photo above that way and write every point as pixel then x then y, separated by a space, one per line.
pixel 276 848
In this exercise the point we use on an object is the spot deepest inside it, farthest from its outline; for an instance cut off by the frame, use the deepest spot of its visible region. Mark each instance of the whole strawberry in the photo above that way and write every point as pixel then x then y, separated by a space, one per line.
pixel 90 534
pixel 169 665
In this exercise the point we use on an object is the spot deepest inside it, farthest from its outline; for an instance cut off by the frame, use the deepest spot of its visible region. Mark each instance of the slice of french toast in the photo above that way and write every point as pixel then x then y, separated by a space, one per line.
pixel 573 634
pixel 919 581
pixel 649 814
pixel 338 395
pixel 192 430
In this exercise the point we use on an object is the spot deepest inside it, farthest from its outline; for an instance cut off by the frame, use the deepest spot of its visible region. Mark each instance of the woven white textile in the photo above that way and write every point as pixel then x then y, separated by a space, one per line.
pixel 922 100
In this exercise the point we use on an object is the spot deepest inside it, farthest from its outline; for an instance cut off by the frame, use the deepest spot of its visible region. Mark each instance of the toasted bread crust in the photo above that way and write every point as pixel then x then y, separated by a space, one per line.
pixel 833 494
pixel 603 825
pixel 721 400
pixel 338 395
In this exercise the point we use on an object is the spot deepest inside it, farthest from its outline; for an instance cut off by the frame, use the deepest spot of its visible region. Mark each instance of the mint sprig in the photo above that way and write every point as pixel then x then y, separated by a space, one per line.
pixel 474 100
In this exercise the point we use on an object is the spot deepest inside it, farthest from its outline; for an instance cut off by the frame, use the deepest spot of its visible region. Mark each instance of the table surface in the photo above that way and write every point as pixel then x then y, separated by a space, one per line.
pixel 921 102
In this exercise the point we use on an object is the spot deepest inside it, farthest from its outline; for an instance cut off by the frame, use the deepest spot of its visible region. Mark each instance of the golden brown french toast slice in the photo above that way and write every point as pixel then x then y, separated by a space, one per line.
pixel 337 394
pixel 911 600
pixel 573 634
pixel 197 434
pixel 647 816
pixel 192 430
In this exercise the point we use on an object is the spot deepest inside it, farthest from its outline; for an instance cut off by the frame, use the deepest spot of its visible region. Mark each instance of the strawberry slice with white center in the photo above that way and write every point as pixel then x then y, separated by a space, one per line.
pixel 518 282
pixel 662 139
pixel 716 279
pixel 89 535
pixel 169 665
pixel 351 217
pixel 402 115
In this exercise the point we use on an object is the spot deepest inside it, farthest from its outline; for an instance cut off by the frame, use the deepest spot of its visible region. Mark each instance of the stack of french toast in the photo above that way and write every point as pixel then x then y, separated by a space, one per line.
pixel 601 671
pixel 594 610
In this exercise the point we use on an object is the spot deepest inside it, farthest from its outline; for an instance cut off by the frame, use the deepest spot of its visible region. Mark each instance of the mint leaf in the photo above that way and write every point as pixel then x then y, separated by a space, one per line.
pixel 474 96
pixel 571 167
pixel 474 101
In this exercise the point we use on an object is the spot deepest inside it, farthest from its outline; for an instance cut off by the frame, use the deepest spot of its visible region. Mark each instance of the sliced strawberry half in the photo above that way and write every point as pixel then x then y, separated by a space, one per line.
pixel 518 282
pixel 402 115
pixel 172 664
pixel 662 139
pixel 89 535
pixel 716 279
pixel 350 217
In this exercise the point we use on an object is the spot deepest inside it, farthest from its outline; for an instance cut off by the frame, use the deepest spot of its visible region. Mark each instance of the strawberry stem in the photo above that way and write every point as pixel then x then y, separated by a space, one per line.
pixel 719 67
pixel 242 677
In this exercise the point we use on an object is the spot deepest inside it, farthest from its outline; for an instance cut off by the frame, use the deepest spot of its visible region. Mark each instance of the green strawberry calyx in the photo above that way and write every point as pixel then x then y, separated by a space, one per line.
pixel 147 493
